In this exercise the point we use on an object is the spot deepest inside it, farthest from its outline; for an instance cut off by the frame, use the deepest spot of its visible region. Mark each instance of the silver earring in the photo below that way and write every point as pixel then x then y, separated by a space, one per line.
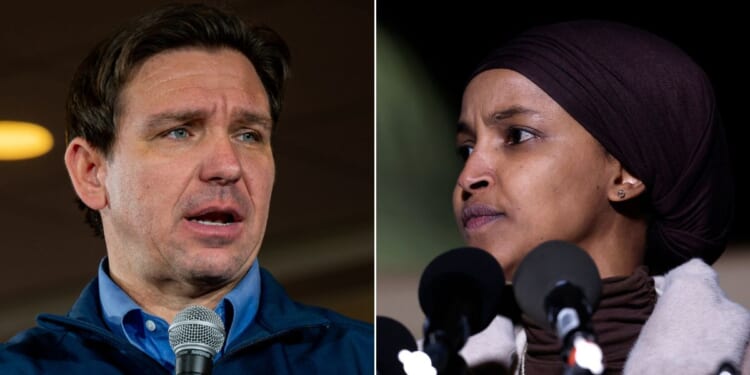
pixel 621 194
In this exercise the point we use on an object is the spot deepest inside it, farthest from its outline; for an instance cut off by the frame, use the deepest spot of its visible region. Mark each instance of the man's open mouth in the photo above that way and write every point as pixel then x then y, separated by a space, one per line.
pixel 218 218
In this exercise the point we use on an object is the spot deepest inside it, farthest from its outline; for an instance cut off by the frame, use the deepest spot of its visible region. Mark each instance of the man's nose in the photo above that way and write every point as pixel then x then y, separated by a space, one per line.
pixel 221 164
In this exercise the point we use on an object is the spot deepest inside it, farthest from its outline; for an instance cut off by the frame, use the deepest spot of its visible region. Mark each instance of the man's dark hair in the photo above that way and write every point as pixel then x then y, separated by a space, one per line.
pixel 93 100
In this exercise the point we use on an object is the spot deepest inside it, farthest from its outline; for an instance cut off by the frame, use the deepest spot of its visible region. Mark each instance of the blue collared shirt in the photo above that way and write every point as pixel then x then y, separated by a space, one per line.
pixel 149 333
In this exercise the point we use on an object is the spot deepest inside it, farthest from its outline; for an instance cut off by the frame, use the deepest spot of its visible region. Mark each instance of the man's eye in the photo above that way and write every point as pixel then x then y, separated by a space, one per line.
pixel 464 152
pixel 249 137
pixel 518 135
pixel 179 133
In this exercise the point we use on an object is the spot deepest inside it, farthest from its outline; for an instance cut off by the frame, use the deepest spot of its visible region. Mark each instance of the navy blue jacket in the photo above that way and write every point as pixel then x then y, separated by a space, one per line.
pixel 285 338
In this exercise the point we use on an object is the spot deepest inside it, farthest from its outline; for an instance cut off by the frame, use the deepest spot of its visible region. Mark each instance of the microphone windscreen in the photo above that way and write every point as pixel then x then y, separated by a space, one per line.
pixel 392 337
pixel 197 327
pixel 467 281
pixel 545 267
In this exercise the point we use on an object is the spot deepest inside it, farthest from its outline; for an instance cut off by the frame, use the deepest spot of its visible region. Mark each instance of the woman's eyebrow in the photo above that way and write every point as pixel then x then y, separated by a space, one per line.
pixel 463 128
pixel 513 110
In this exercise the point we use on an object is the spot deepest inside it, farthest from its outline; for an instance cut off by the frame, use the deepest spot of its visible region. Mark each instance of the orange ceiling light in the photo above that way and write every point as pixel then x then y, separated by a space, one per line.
pixel 23 140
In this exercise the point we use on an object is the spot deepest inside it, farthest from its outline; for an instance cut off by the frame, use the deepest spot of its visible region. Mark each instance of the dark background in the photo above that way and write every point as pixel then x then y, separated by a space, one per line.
pixel 451 39
pixel 425 53
pixel 319 241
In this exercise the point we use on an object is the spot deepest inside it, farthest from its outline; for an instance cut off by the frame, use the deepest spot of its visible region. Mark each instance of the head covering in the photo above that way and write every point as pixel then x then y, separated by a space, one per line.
pixel 654 110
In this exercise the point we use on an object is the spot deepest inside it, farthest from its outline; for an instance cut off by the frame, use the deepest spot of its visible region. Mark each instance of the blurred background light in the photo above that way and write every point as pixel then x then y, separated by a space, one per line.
pixel 23 140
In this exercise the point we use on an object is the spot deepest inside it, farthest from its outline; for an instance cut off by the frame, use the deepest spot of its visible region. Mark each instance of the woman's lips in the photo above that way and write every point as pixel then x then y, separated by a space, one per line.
pixel 478 215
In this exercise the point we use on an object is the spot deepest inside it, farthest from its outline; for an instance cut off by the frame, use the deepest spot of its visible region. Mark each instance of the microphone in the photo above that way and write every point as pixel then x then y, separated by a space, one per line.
pixel 558 285
pixel 726 368
pixel 196 335
pixel 459 292
pixel 392 337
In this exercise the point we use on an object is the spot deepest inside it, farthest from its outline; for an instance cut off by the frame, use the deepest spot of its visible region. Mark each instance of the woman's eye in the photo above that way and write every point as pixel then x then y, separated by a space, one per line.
pixel 179 133
pixel 518 135
pixel 464 152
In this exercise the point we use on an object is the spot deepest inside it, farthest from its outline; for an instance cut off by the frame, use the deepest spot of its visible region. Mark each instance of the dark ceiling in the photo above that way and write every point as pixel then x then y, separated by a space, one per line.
pixel 450 39
pixel 323 199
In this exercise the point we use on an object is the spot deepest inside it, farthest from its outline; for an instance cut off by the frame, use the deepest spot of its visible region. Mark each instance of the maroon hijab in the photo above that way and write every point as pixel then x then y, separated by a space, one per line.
pixel 654 110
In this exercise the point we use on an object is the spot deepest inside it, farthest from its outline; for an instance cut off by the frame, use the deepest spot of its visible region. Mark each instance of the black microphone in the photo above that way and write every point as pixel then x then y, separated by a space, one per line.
pixel 459 292
pixel 558 285
pixel 726 368
pixel 392 337
pixel 196 335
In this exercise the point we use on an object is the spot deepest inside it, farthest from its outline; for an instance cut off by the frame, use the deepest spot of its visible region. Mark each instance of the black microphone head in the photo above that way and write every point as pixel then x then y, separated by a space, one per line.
pixel 545 267
pixel 392 337
pixel 465 280
pixel 197 327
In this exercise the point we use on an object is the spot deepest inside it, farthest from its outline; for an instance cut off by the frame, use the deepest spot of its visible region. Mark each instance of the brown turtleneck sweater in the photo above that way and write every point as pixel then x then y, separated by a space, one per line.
pixel 626 302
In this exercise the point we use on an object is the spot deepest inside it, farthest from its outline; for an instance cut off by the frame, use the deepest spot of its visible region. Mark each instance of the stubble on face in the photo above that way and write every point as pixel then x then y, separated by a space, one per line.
pixel 208 156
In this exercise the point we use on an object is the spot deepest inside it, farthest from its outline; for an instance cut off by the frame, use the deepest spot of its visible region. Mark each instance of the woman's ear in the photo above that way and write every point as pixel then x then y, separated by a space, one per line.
pixel 625 186
pixel 87 167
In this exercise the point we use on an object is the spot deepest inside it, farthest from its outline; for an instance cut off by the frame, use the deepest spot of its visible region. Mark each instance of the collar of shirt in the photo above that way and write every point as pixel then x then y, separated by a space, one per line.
pixel 149 333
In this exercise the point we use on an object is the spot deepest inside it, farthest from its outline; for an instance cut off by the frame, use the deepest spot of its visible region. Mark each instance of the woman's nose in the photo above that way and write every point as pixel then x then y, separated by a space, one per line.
pixel 476 175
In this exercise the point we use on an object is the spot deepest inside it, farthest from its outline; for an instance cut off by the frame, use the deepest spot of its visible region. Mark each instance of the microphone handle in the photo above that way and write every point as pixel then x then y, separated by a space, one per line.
pixel 576 370
pixel 193 362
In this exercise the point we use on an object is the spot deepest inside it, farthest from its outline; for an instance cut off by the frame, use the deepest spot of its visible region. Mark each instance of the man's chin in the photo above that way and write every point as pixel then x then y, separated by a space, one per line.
pixel 209 280
pixel 213 275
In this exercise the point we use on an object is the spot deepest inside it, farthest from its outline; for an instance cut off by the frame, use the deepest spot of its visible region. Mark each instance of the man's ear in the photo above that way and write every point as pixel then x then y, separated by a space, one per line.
pixel 87 167
pixel 625 186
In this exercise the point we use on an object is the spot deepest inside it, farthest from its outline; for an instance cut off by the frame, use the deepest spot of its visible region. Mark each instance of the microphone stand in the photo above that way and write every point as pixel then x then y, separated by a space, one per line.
pixel 580 352
pixel 442 347
pixel 574 363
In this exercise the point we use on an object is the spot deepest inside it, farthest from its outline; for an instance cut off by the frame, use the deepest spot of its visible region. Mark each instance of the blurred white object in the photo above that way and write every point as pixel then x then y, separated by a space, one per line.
pixel 416 363
pixel 588 355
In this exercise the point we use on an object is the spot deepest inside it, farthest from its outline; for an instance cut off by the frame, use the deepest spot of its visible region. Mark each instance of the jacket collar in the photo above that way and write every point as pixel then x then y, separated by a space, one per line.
pixel 693 329
pixel 88 308
pixel 277 314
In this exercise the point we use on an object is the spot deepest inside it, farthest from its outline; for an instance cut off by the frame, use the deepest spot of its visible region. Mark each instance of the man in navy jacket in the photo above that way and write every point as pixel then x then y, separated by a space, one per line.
pixel 169 150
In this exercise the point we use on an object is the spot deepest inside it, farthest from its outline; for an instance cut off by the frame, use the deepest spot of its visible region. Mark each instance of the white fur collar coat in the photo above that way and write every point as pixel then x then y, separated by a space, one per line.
pixel 693 329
